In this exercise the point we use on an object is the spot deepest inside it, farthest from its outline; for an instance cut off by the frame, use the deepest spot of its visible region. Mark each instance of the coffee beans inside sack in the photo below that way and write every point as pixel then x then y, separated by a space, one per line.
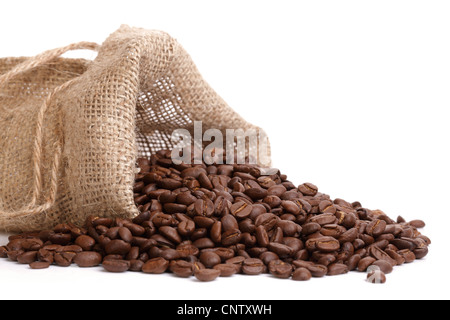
pixel 210 221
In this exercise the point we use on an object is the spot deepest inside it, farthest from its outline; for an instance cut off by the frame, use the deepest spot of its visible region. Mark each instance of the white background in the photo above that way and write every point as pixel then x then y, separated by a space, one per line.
pixel 353 94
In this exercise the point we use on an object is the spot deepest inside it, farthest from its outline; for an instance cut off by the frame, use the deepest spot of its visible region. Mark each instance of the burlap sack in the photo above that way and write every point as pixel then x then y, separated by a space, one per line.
pixel 71 129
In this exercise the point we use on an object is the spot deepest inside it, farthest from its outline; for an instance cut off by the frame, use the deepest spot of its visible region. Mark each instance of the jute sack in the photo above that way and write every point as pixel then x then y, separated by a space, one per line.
pixel 72 129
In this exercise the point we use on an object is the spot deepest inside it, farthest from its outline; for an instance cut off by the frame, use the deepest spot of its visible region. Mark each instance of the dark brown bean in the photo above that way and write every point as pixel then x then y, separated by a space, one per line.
pixel 87 259
pixel 280 269
pixel 155 266
pixel 301 274
pixel 37 265
pixel 226 269
pixel 116 265
pixel 253 266
pixel 206 275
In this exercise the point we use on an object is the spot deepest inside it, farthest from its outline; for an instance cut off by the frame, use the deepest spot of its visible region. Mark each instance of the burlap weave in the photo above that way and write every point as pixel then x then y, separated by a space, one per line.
pixel 71 129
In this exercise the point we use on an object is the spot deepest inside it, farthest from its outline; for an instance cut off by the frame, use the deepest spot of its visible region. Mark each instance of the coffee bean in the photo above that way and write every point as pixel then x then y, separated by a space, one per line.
pixel 308 189
pixel 301 274
pixel 376 228
pixel 171 234
pixel 324 218
pixel 381 255
pixel 267 220
pixel 353 261
pixel 364 263
pixel 226 269
pixel 116 265
pixel 337 269
pixel 117 247
pixel 231 237
pixel 210 259
pixel 206 275
pixel 241 210
pixel 39 265
pixel 27 257
pixel 87 259
pixel 257 193
pixel 181 268
pixel 417 224
pixel 61 238
pixel 64 259
pixel 280 269
pixel 317 270
pixel 155 266
pixel 408 255
pixel 327 244
pixel 186 228
pixel 253 266
pixel 261 236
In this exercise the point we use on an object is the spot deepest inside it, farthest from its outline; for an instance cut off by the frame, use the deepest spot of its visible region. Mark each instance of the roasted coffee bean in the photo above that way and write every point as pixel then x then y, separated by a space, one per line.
pixel 408 255
pixel 116 265
pixel 326 206
pixel 27 257
pixel 181 268
pixel 318 270
pixel 231 237
pixel 186 228
pixel 379 254
pixel 280 269
pixel 241 210
pixel 301 274
pixel 262 237
pixel 417 224
pixel 117 247
pixel 87 259
pixel 364 263
pixel 60 238
pixel 155 266
pixel 308 189
pixel 170 233
pixel 210 259
pixel 237 262
pixel 204 243
pixel 39 265
pixel 282 250
pixel 267 220
pixel 226 269
pixel 376 228
pixel 324 218
pixel 136 265
pixel 85 242
pixel 206 275
pixel 310 228
pixel 327 244
pixel 70 248
pixel 337 269
pixel 32 244
pixel 253 266
pixel 45 256
pixel 353 261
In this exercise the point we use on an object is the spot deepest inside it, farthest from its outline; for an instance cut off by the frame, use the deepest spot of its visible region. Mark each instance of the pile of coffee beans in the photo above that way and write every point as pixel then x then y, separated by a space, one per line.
pixel 220 220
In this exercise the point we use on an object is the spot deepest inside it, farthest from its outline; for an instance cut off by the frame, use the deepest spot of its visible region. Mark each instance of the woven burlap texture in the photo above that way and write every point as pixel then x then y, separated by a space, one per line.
pixel 72 129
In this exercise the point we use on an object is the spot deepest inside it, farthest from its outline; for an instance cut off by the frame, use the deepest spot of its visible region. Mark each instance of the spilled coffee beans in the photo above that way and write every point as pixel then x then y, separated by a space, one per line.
pixel 220 220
